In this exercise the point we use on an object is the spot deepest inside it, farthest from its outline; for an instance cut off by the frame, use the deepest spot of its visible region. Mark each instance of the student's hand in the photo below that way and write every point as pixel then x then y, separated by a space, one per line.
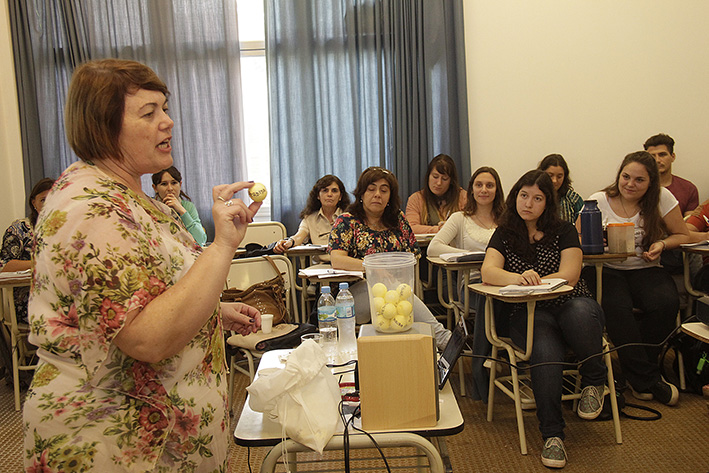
pixel 529 278
pixel 174 203
pixel 654 251
pixel 283 245
pixel 240 317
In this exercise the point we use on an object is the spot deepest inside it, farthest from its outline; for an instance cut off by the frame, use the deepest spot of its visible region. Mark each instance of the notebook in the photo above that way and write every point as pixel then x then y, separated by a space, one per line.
pixel 452 352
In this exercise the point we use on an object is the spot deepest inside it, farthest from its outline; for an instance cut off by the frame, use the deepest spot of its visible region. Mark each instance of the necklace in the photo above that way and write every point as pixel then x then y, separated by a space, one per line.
pixel 627 215
pixel 479 221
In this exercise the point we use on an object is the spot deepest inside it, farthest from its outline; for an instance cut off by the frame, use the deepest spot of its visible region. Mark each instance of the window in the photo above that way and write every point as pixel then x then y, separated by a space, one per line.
pixel 252 39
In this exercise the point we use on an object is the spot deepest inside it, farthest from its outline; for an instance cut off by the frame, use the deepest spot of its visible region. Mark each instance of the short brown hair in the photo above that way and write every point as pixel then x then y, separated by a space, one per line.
pixel 95 103
pixel 390 218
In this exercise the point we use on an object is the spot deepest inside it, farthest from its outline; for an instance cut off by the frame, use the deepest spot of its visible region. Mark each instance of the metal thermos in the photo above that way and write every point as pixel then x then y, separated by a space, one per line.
pixel 591 228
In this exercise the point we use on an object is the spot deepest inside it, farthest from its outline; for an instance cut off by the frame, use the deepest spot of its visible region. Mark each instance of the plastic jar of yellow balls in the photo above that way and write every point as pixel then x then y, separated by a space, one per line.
pixel 390 281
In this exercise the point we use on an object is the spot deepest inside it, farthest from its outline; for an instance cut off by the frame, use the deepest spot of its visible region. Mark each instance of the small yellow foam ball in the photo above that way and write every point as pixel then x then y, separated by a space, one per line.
pixel 404 307
pixel 378 290
pixel 381 323
pixel 378 303
pixel 404 291
pixel 400 322
pixel 391 297
pixel 389 311
pixel 258 192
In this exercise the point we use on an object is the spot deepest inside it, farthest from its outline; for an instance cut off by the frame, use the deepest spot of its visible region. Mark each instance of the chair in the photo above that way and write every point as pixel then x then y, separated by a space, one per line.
pixel 245 272
pixel 515 384
pixel 264 233
pixel 17 334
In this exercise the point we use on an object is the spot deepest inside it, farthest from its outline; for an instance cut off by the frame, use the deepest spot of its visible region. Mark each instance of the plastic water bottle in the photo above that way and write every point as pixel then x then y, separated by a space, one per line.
pixel 327 323
pixel 346 323
pixel 591 228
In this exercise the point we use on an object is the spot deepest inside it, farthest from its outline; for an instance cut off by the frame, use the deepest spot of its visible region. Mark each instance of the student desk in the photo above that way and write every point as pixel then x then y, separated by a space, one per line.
pixel 698 330
pixel 301 257
pixel 14 332
pixel 597 261
pixel 453 304
pixel 254 429
pixel 702 251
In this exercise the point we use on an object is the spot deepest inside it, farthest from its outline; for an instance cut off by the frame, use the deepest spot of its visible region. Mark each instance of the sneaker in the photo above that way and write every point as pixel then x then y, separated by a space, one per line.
pixel 665 392
pixel 591 402
pixel 554 453
pixel 642 395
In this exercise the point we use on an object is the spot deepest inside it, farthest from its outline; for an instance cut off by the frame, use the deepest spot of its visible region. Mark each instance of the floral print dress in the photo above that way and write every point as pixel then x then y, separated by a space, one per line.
pixel 102 251
pixel 358 240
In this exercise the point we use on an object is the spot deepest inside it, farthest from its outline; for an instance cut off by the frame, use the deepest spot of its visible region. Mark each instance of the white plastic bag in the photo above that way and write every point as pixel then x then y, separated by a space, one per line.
pixel 303 397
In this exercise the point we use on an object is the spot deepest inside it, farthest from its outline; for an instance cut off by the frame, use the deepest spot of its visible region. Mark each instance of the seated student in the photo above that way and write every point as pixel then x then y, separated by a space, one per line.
pixel 326 201
pixel 570 203
pixel 533 242
pixel 428 209
pixel 374 223
pixel 640 282
pixel 167 185
pixel 662 148
pixel 16 252
pixel 471 230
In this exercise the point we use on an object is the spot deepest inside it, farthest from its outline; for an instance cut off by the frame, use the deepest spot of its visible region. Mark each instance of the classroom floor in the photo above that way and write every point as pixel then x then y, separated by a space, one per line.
pixel 676 443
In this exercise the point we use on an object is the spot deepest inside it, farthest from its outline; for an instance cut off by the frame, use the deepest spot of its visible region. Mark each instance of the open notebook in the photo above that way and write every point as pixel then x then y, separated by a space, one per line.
pixel 452 352
pixel 547 285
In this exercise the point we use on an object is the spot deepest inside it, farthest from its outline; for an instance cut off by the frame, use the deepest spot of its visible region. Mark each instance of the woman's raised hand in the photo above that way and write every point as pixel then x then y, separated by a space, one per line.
pixel 231 215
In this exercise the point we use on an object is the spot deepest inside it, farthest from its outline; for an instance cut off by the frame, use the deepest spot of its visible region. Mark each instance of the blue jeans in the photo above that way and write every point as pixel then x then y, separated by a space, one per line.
pixel 577 324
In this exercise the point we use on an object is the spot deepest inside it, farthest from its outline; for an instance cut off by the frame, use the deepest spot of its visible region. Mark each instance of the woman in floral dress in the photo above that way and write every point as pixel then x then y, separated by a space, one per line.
pixel 125 305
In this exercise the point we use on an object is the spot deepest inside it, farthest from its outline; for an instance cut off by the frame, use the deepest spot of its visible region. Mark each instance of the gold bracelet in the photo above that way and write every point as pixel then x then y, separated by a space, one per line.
pixel 664 245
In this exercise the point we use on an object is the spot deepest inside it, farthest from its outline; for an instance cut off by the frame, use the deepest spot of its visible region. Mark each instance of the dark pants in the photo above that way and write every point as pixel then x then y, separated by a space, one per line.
pixel 576 324
pixel 654 293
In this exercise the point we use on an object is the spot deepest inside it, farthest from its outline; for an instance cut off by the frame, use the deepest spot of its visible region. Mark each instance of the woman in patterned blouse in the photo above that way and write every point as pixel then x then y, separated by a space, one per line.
pixel 374 223
pixel 16 252
pixel 570 203
pixel 531 242
pixel 124 306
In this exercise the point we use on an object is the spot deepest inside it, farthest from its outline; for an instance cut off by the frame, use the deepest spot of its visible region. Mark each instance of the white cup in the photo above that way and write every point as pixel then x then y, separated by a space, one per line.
pixel 266 323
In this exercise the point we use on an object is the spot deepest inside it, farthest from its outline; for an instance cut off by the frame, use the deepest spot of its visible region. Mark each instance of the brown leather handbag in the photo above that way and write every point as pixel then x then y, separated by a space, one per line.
pixel 267 296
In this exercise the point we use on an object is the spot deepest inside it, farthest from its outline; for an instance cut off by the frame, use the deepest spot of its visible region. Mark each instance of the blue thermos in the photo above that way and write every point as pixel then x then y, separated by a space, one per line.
pixel 591 228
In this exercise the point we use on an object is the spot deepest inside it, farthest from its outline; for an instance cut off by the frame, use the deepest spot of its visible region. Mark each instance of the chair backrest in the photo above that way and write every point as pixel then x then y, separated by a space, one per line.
pixel 245 272
pixel 264 233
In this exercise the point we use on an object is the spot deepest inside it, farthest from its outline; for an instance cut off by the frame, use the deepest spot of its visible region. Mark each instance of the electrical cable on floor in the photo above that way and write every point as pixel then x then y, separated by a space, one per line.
pixel 346 440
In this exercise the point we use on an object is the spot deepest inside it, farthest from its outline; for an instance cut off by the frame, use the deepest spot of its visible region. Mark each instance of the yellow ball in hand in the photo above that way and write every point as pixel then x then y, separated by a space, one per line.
pixel 378 290
pixel 258 192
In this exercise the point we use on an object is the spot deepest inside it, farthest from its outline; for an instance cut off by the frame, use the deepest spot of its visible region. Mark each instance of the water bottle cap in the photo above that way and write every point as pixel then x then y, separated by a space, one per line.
pixel 344 285
pixel 325 289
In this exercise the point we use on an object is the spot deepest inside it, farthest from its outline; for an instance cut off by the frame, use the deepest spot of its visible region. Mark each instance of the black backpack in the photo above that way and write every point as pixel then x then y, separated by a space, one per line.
pixel 695 356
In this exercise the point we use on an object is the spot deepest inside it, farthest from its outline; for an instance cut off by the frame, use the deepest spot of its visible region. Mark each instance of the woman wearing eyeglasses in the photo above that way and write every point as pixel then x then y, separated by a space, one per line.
pixel 374 223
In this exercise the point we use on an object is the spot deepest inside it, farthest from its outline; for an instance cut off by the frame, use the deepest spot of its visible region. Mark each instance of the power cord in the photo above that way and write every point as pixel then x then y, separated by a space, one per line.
pixel 346 438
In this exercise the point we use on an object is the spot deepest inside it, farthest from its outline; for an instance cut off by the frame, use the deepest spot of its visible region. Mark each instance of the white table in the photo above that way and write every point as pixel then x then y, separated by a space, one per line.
pixel 256 430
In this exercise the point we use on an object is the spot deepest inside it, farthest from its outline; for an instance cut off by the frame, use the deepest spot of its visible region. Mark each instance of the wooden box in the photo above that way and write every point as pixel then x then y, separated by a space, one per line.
pixel 397 378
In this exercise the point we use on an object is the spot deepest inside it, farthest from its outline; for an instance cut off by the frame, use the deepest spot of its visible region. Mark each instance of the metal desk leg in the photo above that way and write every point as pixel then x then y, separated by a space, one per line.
pixel 599 283
pixel 392 440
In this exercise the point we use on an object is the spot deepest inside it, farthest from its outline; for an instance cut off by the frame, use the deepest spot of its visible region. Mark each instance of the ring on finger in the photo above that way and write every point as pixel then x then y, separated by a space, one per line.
pixel 229 203
pixel 221 198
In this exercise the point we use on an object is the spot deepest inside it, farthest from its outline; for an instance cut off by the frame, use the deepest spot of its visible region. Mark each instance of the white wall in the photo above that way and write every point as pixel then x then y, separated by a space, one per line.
pixel 589 79
pixel 12 191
